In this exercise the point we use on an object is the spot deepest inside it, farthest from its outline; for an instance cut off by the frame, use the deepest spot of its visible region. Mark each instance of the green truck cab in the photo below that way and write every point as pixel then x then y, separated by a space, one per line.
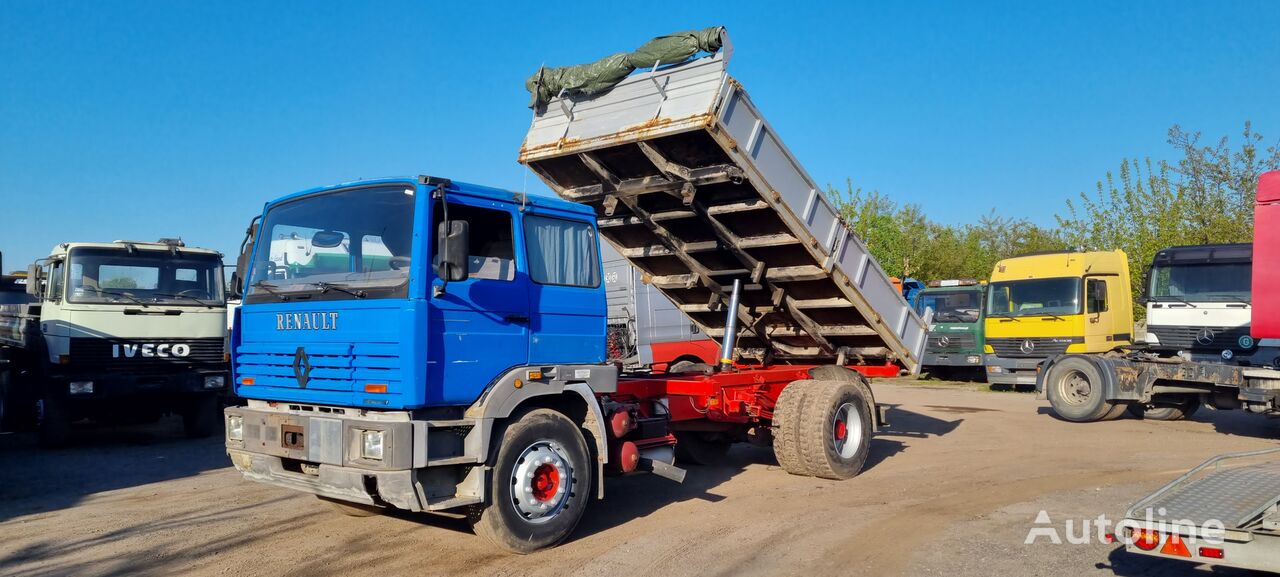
pixel 956 334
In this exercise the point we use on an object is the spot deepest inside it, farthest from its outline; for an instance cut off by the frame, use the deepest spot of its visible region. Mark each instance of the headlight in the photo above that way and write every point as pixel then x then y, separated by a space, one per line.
pixel 994 369
pixel 214 382
pixel 80 388
pixel 973 360
pixel 235 427
pixel 371 444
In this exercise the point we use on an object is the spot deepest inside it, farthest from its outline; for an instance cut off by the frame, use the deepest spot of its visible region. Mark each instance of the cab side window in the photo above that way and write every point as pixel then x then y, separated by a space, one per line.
pixel 55 281
pixel 561 252
pixel 1096 295
pixel 492 250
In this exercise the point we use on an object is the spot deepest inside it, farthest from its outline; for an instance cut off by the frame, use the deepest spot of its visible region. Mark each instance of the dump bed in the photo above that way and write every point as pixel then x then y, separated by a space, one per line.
pixel 692 186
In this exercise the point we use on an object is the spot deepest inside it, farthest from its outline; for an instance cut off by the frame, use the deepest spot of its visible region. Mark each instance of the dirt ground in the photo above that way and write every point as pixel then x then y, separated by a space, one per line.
pixel 952 488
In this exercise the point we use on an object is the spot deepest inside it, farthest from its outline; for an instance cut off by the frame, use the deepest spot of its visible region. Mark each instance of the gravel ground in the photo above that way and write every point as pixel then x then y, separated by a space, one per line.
pixel 952 488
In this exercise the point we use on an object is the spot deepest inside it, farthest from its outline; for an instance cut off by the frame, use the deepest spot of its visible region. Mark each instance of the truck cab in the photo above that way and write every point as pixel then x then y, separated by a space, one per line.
pixel 956 333
pixel 122 331
pixel 1049 304
pixel 1199 303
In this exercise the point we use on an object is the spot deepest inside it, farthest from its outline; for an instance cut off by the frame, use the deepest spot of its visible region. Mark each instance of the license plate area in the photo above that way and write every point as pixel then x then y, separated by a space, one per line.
pixel 292 437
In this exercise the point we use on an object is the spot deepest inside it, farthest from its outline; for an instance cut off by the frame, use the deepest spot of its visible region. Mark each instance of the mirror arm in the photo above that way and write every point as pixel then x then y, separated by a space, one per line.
pixel 438 193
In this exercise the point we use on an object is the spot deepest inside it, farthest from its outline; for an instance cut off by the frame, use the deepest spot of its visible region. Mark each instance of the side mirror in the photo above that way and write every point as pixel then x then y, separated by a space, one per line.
pixel 234 291
pixel 452 239
pixel 33 280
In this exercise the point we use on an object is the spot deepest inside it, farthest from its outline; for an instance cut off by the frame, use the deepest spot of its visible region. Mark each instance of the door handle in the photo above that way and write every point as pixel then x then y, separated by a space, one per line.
pixel 517 318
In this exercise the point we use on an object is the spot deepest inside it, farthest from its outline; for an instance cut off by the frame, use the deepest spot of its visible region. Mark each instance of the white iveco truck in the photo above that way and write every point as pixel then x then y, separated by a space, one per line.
pixel 120 332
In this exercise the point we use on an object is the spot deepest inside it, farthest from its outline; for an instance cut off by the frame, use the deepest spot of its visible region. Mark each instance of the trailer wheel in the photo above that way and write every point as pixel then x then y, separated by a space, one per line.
pixel 786 427
pixel 54 428
pixel 1166 410
pixel 542 479
pixel 352 509
pixel 835 428
pixel 201 417
pixel 1076 392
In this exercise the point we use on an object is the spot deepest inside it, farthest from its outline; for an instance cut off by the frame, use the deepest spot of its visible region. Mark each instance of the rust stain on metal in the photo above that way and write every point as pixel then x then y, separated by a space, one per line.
pixel 1127 377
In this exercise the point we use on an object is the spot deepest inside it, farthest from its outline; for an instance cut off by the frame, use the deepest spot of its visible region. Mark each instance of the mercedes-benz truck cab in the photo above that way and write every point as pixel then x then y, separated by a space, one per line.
pixel 956 333
pixel 1198 301
pixel 1042 305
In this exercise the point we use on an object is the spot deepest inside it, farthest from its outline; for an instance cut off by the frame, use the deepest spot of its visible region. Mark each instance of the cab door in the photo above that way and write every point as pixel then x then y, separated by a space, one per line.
pixel 479 326
pixel 1100 333
pixel 566 295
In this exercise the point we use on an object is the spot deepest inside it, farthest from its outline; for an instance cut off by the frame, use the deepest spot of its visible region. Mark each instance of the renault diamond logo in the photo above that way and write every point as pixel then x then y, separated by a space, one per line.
pixel 1205 336
pixel 301 367
pixel 1028 346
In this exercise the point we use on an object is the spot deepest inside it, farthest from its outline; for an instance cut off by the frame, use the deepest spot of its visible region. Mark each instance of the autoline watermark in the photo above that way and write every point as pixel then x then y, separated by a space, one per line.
pixel 1100 529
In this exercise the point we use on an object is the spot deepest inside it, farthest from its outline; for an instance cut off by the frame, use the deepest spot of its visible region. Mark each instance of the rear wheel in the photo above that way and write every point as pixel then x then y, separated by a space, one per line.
pixel 1166 409
pixel 352 509
pixel 542 479
pixel 701 448
pixel 1075 391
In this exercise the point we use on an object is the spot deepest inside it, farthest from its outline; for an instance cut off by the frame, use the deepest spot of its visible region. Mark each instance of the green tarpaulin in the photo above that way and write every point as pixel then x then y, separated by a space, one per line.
pixel 603 74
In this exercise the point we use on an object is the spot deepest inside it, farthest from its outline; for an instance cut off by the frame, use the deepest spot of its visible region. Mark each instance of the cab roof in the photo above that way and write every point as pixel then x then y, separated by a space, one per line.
pixel 456 187
pixel 64 248
pixel 1060 264
pixel 1205 254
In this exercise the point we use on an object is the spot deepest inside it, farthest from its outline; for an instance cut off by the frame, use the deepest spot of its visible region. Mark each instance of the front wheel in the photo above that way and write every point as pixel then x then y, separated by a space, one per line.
pixel 542 479
pixel 1075 390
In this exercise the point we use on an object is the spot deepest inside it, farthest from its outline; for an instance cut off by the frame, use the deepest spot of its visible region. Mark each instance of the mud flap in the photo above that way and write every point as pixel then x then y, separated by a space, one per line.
pixel 881 416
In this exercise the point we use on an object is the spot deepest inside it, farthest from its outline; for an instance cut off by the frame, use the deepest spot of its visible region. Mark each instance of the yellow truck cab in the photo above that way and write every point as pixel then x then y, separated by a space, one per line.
pixel 1046 304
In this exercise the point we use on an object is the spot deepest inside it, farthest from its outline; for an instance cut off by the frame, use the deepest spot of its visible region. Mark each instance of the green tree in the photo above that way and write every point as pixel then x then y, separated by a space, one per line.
pixel 120 282
pixel 1204 197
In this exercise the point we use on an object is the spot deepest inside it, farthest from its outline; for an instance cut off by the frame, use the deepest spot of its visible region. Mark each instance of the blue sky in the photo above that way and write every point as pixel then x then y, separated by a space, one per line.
pixel 146 119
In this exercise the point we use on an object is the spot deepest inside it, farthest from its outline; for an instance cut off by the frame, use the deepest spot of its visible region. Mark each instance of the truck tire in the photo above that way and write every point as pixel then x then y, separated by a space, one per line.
pixel 699 448
pixel 786 427
pixel 1075 390
pixel 352 509
pixel 1166 410
pixel 835 428
pixel 54 428
pixel 5 425
pixel 200 418
pixel 541 482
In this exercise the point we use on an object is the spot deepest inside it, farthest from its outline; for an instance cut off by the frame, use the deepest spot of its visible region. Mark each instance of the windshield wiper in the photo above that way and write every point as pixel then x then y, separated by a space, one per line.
pixel 328 286
pixel 125 295
pixel 270 288
pixel 1181 300
pixel 189 297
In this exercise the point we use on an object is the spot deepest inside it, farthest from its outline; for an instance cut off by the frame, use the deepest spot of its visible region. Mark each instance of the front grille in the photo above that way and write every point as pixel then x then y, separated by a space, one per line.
pixel 320 366
pixel 951 343
pixel 144 354
pixel 1199 338
pixel 1031 347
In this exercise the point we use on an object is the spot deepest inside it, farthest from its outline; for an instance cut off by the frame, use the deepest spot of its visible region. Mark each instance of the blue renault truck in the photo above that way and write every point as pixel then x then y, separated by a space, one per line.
pixel 427 345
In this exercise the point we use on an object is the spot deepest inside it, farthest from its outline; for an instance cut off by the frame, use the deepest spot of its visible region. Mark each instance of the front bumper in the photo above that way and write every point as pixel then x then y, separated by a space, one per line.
pixel 321 453
pixel 952 359
pixel 1011 371
pixel 110 385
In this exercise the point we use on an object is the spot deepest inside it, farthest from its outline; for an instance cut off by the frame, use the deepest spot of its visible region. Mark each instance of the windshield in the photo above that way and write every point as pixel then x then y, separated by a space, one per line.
pixel 1031 297
pixel 951 307
pixel 352 243
pixel 1202 282
pixel 121 276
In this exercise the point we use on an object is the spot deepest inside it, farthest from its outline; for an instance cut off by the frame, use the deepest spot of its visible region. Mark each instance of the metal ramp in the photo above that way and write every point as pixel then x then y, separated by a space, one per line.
pixel 695 189
pixel 1243 497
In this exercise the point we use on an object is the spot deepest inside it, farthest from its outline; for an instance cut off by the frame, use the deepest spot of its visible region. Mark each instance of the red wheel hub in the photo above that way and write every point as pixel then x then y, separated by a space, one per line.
pixel 546 479
pixel 841 430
